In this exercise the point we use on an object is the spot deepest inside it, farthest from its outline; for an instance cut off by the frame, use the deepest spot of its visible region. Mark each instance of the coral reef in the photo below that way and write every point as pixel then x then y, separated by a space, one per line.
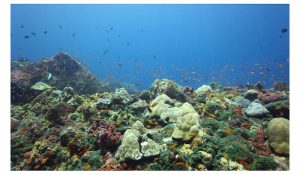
pixel 79 124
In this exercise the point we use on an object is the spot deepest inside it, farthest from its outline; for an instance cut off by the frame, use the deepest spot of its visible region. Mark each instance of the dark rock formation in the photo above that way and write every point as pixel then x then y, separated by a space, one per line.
pixel 59 71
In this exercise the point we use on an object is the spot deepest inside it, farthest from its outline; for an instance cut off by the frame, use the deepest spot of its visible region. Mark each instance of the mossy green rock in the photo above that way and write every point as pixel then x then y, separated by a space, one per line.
pixel 278 133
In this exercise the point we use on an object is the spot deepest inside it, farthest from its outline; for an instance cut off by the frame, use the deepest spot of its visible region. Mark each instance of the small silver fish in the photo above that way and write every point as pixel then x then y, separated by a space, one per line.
pixel 49 76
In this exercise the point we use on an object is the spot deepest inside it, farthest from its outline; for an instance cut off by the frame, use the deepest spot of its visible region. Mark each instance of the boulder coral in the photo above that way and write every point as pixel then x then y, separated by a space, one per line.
pixel 186 127
pixel 136 144
pixel 278 133
pixel 169 111
pixel 162 106
pixel 130 147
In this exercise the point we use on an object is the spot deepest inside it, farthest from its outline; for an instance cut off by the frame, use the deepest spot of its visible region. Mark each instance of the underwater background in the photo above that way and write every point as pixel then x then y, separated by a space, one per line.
pixel 135 44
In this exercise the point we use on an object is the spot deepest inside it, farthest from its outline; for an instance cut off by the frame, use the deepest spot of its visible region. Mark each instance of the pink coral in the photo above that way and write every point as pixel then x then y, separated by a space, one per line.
pixel 269 97
pixel 259 143
pixel 108 138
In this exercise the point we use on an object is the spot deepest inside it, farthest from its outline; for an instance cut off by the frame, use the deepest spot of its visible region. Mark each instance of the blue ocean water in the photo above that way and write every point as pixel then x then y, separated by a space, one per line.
pixel 135 44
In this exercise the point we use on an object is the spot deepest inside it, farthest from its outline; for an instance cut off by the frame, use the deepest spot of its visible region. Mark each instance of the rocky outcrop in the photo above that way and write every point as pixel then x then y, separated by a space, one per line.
pixel 59 71
pixel 168 87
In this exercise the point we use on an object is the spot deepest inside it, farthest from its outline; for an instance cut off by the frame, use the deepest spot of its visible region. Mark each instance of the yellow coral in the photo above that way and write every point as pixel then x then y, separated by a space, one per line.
pixel 193 134
pixel 196 142
pixel 201 167
pixel 279 150
pixel 186 149
pixel 231 165
pixel 88 167
pixel 207 157
pixel 224 162
pixel 228 131
pixel 169 131
pixel 38 148
pixel 201 132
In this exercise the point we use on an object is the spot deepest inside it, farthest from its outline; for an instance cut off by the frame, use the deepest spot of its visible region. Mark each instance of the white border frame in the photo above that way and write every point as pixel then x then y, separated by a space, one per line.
pixel 5 78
